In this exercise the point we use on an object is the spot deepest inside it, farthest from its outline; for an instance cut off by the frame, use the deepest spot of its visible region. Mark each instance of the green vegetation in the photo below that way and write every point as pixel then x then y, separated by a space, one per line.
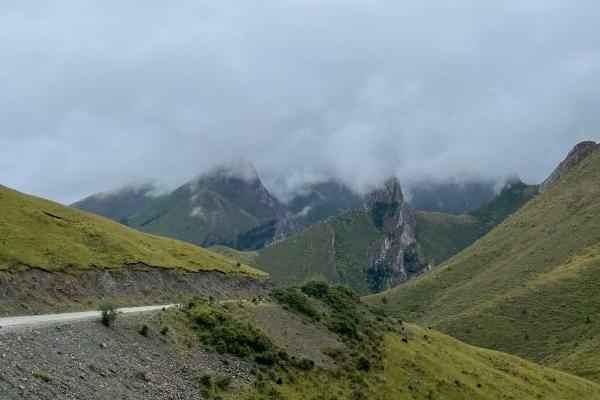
pixel 387 359
pixel 244 257
pixel 217 208
pixel 42 375
pixel 108 314
pixel 226 334
pixel 510 199
pixel 337 250
pixel 432 366
pixel 442 235
pixel 293 300
pixel 213 387
pixel 531 287
pixel 340 249
pixel 36 233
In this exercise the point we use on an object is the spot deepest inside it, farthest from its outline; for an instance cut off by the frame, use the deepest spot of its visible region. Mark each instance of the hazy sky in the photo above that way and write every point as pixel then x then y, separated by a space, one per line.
pixel 96 94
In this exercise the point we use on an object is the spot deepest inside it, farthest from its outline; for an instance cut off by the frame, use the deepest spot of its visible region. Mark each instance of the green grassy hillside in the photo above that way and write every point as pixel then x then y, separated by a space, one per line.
pixel 436 366
pixel 340 349
pixel 442 235
pixel 337 249
pixel 530 287
pixel 227 206
pixel 340 249
pixel 42 234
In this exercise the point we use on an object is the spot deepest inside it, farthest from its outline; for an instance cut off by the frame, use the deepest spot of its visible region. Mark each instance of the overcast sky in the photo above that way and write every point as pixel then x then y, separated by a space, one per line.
pixel 96 94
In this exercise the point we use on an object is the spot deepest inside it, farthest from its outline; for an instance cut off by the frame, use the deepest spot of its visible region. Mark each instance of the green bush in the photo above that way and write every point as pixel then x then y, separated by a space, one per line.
pixel 316 288
pixel 344 324
pixel 108 314
pixel 304 364
pixel 294 300
pixel 42 375
pixel 145 330
pixel 227 334
pixel 363 364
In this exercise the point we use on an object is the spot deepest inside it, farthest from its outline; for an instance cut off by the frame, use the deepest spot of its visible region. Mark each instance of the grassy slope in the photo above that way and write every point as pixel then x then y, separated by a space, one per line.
pixel 530 287
pixel 429 365
pixel 337 249
pixel 172 217
pixel 435 366
pixel 39 233
pixel 246 257
pixel 443 235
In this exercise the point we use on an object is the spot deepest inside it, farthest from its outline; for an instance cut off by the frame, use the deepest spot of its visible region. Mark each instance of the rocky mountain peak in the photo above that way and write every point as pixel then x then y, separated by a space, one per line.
pixel 398 256
pixel 389 193
pixel 580 152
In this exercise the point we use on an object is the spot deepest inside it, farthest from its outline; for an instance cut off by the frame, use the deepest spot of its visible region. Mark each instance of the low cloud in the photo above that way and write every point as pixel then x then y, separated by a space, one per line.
pixel 94 95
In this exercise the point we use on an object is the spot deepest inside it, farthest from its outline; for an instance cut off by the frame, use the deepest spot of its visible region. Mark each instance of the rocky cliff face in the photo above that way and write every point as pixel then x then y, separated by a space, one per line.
pixel 398 257
pixel 580 152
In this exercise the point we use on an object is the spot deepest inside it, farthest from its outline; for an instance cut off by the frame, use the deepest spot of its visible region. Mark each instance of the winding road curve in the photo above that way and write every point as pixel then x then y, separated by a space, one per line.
pixel 48 319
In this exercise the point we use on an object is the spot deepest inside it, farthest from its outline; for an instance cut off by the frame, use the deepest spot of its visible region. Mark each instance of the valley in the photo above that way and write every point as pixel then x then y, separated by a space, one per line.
pixel 231 331
pixel 529 287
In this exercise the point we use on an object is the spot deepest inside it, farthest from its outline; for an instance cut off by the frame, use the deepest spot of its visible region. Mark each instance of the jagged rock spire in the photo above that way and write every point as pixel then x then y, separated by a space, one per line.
pixel 390 193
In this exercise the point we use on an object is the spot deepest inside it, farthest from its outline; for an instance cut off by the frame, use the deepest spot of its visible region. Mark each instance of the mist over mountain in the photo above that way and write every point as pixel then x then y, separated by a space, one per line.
pixel 351 91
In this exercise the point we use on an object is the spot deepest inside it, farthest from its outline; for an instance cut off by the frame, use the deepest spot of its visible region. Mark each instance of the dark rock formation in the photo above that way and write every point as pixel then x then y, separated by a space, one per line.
pixel 398 257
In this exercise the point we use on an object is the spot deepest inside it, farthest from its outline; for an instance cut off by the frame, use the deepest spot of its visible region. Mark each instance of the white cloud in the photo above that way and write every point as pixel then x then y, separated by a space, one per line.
pixel 94 95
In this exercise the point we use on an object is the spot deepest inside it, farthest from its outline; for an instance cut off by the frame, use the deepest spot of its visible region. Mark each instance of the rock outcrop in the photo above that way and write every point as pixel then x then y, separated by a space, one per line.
pixel 398 257
pixel 579 153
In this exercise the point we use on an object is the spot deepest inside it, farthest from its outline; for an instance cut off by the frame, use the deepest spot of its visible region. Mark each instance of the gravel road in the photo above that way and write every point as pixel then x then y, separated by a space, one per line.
pixel 48 319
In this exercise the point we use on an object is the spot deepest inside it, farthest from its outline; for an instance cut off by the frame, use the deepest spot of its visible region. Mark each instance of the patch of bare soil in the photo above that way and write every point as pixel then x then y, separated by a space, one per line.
pixel 34 291
pixel 86 360
pixel 298 337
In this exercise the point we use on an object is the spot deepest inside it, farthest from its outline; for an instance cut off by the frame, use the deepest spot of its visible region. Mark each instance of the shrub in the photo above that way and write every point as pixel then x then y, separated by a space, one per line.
pixel 363 364
pixel 42 375
pixel 144 330
pixel 267 358
pixel 316 289
pixel 304 364
pixel 108 314
pixel 211 386
pixel 227 334
pixel 344 324
pixel 292 299
pixel 164 330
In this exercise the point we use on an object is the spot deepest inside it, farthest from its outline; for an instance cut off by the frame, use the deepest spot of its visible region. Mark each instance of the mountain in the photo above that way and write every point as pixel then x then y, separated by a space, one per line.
pixel 580 152
pixel 316 202
pixel 40 234
pixel 228 205
pixel 385 242
pixel 450 197
pixel 370 248
pixel 442 235
pixel 120 204
pixel 531 286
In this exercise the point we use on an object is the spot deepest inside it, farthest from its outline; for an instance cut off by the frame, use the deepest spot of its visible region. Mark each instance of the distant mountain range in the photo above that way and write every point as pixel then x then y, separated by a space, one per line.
pixel 229 205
